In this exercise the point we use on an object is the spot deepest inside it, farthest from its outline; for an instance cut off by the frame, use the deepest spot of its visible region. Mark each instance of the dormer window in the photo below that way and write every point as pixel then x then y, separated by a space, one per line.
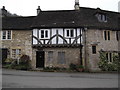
pixel 101 17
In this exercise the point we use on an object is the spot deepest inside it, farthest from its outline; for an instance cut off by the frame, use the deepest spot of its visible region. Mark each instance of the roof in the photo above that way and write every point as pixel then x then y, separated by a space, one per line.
pixel 85 17
pixel 17 23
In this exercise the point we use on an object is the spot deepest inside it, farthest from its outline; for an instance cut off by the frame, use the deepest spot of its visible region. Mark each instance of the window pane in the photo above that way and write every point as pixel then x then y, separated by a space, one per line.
pixel 46 34
pixel 3 34
pixel 72 33
pixel 94 49
pixel 68 33
pixel 110 56
pixel 50 55
pixel 107 56
pixel 108 35
pixel 42 33
pixel 61 58
pixel 117 36
pixel 105 36
pixel 9 35
pixel 16 53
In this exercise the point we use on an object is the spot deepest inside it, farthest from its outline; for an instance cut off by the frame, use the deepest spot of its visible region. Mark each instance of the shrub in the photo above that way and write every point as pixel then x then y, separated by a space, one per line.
pixel 105 65
pixel 24 63
pixel 76 67
pixel 9 60
pixel 73 66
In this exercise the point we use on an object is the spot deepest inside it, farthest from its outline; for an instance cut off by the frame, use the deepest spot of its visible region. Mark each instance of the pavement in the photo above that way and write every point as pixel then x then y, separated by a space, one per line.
pixel 32 79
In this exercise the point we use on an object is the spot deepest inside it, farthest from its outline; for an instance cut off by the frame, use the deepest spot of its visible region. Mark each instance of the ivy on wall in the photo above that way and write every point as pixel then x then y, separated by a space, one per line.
pixel 105 65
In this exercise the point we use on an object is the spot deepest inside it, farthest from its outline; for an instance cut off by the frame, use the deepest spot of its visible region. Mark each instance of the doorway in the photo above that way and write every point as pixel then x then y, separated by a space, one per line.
pixel 40 56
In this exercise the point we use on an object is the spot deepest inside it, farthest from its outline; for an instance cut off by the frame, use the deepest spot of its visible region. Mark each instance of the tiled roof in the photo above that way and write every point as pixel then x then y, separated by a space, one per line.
pixel 85 17
pixel 17 23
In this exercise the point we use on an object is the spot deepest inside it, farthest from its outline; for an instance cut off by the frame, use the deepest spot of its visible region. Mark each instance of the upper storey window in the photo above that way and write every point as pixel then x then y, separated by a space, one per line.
pixel 44 33
pixel 69 33
pixel 106 35
pixel 6 35
pixel 101 17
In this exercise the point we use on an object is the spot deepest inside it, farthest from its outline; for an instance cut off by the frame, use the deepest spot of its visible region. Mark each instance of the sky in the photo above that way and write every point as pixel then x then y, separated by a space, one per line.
pixel 28 7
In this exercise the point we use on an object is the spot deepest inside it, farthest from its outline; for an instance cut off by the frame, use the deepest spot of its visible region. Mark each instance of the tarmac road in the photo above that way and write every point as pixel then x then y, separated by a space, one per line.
pixel 30 79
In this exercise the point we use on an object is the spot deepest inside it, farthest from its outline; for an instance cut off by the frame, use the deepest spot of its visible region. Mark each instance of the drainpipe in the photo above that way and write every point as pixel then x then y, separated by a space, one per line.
pixel 81 63
pixel 85 49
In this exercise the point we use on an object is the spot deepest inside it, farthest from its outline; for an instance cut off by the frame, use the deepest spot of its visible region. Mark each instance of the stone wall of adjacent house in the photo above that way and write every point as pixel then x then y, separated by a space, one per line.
pixel 21 39
pixel 72 55
pixel 96 37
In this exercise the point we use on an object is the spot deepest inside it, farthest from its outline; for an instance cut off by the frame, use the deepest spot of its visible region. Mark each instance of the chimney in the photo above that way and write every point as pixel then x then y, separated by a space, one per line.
pixel 77 7
pixel 4 11
pixel 38 10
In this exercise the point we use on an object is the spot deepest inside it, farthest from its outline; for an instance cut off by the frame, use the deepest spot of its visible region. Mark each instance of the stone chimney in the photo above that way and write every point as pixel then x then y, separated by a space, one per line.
pixel 4 11
pixel 38 10
pixel 77 7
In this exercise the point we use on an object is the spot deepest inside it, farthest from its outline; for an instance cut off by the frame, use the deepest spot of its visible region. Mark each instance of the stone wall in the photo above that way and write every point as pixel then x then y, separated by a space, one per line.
pixel 72 55
pixel 21 39
pixel 96 37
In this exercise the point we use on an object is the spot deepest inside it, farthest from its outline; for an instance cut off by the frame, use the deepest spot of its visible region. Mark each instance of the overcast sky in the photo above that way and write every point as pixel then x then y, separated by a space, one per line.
pixel 28 7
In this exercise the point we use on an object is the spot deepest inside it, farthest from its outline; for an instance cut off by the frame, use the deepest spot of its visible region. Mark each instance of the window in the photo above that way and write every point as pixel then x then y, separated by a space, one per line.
pixel 102 17
pixel 106 35
pixel 70 33
pixel 61 58
pixel 109 57
pixel 50 55
pixel 16 53
pixel 44 33
pixel 117 36
pixel 93 49
pixel 6 35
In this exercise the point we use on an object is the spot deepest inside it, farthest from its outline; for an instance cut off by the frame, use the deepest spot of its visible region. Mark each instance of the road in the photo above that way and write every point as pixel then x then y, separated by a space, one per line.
pixel 31 79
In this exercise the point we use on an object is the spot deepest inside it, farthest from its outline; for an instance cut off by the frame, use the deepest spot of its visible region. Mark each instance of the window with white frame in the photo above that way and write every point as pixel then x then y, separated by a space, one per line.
pixel 6 35
pixel 69 32
pixel 44 33
pixel 16 53
pixel 106 35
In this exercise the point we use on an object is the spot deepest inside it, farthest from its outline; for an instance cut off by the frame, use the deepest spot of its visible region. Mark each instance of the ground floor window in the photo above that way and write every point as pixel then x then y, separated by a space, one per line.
pixel 93 49
pixel 61 58
pixel 110 56
pixel 16 53
pixel 50 56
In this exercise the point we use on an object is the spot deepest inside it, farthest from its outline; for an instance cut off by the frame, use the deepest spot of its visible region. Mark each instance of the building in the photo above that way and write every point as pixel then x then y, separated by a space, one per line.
pixel 59 38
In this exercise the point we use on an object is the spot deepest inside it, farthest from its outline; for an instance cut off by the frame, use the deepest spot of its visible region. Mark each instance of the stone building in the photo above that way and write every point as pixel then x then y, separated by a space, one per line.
pixel 59 38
